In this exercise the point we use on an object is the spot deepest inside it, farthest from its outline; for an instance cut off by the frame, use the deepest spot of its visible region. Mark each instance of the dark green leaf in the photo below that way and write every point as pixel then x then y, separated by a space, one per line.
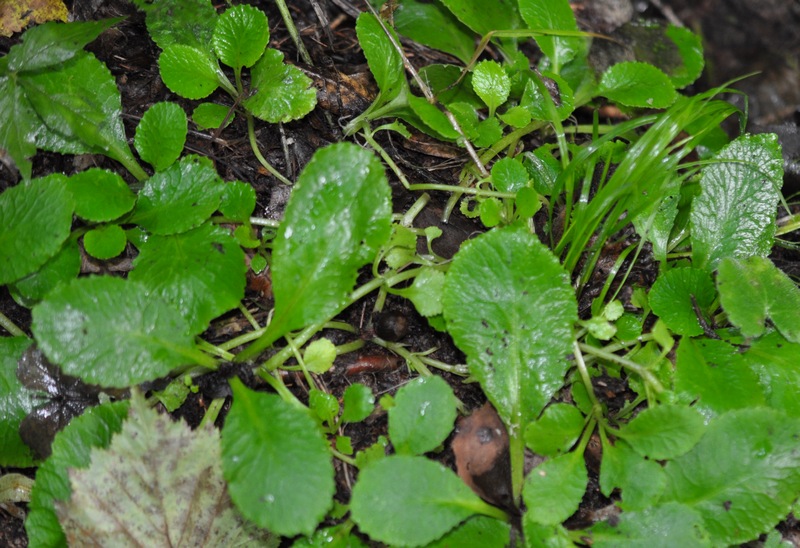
pixel 240 36
pixel 548 104
pixel 100 195
pixel 384 61
pixel 423 415
pixel 16 401
pixel 18 125
pixel 774 359
pixel 431 24
pixel 663 432
pixel 554 489
pixel 556 431
pixel 190 72
pixel 553 15
pixel 675 295
pixel 636 84
pixel 64 266
pixel 664 526
pixel 641 481
pixel 503 14
pixel 161 134
pixel 188 22
pixel 283 93
pixel 105 242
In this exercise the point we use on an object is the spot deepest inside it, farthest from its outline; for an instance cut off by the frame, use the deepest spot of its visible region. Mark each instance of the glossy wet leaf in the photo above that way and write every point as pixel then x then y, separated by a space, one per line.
pixel 325 406
pixel 774 359
pixel 491 83
pixel 212 115
pixel 358 403
pixel 105 242
pixel 674 295
pixel 554 489
pixel 663 526
pixel 432 117
pixel 433 25
pixel 16 402
pixel 553 15
pixel 384 61
pixel 734 214
pixel 742 477
pixel 111 332
pixel 238 201
pixel 283 92
pixel 184 482
pixel 510 308
pixel 276 462
pixel 188 22
pixel 641 481
pixel 37 216
pixel 754 291
pixel 423 415
pixel 179 198
pixel 240 36
pixel 556 431
pixel 71 449
pixel 161 134
pixel 423 498
pixel 663 432
pixel 64 266
pixel 636 84
pixel 188 71
pixel 100 195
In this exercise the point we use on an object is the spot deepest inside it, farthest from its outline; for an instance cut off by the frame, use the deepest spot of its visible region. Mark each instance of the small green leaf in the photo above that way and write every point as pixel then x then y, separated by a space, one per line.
pixel 491 83
pixel 319 355
pixel 636 84
pixel 238 201
pixel 161 134
pixel 774 359
pixel 36 221
pixel 18 125
pixel 423 415
pixel 325 406
pixel 556 431
pixel 742 477
pixel 339 536
pixel 284 92
pixel 358 403
pixel 189 72
pixel 179 198
pixel 509 175
pixel 503 14
pixel 16 402
pixel 189 22
pixel 100 195
pixel 554 489
pixel 516 117
pixel 65 266
pixel 423 498
pixel 110 332
pixel 664 526
pixel 276 462
pixel 476 532
pixel 548 536
pixel 663 432
pixel 553 15
pixel 212 115
pixel 240 36
pixel 433 118
pixel 426 291
pixel 641 481
pixel 434 26
pixel 690 46
pixel 674 295
pixel 105 242
pixel 383 58
pixel 734 215
pixel 752 290
pixel 548 104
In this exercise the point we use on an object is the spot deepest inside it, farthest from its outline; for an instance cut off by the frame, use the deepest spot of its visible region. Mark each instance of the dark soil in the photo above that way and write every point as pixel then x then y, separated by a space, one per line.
pixel 741 36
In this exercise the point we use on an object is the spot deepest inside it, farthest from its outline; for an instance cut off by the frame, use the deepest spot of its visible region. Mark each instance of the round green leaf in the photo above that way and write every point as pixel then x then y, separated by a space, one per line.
pixel 110 332
pixel 324 405
pixel 105 242
pixel 491 83
pixel 509 175
pixel 358 403
pixel 179 198
pixel 641 480
pixel 238 201
pixel 65 266
pixel 636 84
pixel 201 273
pixel 663 432
pixel 556 431
pixel 161 134
pixel 212 116
pixel 319 355
pixel 276 462
pixel 423 415
pixel 284 92
pixel 240 36
pixel 690 46
pixel 554 489
pixel 100 195
pixel 410 501
pixel 36 217
pixel 16 402
pixel 671 298
pixel 188 71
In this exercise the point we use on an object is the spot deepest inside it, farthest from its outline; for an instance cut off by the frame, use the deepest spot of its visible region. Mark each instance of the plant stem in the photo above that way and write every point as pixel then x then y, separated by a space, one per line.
pixel 212 412
pixel 11 327
pixel 463 190
pixel 646 375
pixel 287 20
pixel 261 221
pixel 386 158
pixel 597 409
pixel 251 134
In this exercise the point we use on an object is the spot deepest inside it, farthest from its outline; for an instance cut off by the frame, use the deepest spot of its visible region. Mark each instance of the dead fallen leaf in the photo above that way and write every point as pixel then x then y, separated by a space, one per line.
pixel 16 15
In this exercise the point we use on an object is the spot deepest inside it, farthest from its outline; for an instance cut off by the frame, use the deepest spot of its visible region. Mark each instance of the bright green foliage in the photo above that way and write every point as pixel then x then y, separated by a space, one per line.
pixel 188 22
pixel 276 463
pixel 476 532
pixel 753 290
pixel 384 60
pixel 553 15
pixel 36 220
pixel 16 402
pixel 100 195
pixel 641 481
pixel 734 215
pixel 358 403
pixel 410 501
pixel 71 449
pixel 637 84
pixel 509 175
pixel 554 489
pixel 111 332
pixel 240 36
pixel 324 405
pixel 550 536
pixel 238 201
pixel 742 477
pixel 425 291
pixel 319 355
pixel 190 72
pixel 179 198
pixel 774 359
pixel 201 273
pixel 105 242
pixel 212 115
pixel 194 512
pixel 63 267
pixel 161 134
pixel 663 432
pixel 662 526
pixel 284 92
pixel 690 47
pixel 556 431
pixel 540 102
pixel 503 14
pixel 675 295
pixel 423 415
pixel 491 83
pixel 433 25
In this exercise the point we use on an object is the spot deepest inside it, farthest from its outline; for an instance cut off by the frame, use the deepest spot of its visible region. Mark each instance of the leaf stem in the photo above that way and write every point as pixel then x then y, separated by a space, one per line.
pixel 287 20
pixel 646 375
pixel 251 134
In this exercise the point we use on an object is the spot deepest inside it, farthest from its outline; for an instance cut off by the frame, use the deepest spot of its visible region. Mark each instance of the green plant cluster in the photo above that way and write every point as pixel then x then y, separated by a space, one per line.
pixel 705 452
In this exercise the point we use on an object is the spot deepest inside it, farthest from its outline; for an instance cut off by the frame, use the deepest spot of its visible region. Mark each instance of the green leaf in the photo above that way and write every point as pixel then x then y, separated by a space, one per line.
pixel 201 273
pixel 774 359
pixel 18 125
pixel 188 22
pixel 358 403
pixel 753 290
pixel 664 526
pixel 432 117
pixel 100 195
pixel 37 216
pixel 553 15
pixel 674 295
pixel 503 14
pixel 423 415
pixel 110 332
pixel 636 84
pixel 509 175
pixel 71 449
pixel 316 257
pixel 556 431
pixel 188 71
pixel 716 374
pixel 476 532
pixel 425 291
pixel 491 83
pixel 319 355
pixel 690 46
pixel 510 308
pixel 383 59
pixel 742 477
pixel 240 36
pixel 546 536
pixel 64 266
pixel 734 215
pixel 339 536
pixel 276 463
pixel 192 512
pixel 554 489
pixel 238 201
pixel 161 134
pixel 641 481
pixel 16 402
pixel 179 198
pixel 423 498
pixel 663 432
pixel 212 115
pixel 284 92
pixel 548 104
pixel 432 25
pixel 105 242
pixel 324 405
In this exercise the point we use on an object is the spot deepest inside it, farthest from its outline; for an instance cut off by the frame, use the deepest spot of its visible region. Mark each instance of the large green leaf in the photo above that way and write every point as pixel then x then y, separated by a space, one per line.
pixel 276 462
pixel 663 432
pixel 554 489
pixel 510 308
pixel 240 36
pixel 734 215
pixel 283 93
pixel 111 332
pixel 675 295
pixel 636 84
pixel 16 402
pixel 431 24
pixel 743 476
pixel 423 415
pixel 161 134
pixel 553 15
pixel 100 195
